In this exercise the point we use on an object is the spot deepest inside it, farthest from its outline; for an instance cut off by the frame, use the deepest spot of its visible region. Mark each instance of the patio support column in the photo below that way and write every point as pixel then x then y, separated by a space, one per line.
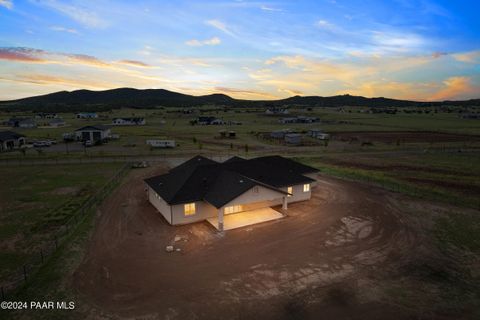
pixel 285 203
pixel 220 219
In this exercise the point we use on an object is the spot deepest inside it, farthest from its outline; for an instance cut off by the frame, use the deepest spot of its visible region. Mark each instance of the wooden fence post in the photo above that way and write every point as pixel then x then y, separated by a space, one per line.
pixel 41 255
pixel 3 294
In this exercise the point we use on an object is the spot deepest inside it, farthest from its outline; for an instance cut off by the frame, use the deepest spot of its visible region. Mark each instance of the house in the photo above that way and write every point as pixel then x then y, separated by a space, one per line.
pixel 275 111
pixel 46 115
pixel 203 189
pixel 56 122
pixel 299 119
pixel 293 138
pixel 21 123
pixel 86 115
pixel 93 133
pixel 279 134
pixel 10 140
pixel 128 121
pixel 208 120
pixel 160 143
pixel 318 134
pixel 227 134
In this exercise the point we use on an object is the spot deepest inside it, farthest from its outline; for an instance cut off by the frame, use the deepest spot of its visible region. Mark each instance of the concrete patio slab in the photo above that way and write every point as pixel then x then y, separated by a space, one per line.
pixel 246 218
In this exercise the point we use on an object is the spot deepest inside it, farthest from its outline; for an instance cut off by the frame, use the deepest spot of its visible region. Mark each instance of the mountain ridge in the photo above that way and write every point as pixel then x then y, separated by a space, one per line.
pixel 149 98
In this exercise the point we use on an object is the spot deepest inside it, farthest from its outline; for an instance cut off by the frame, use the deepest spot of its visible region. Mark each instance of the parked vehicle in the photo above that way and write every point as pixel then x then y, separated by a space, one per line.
pixel 88 143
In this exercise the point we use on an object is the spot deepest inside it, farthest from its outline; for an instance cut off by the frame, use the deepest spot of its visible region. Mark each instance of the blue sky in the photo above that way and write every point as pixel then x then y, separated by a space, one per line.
pixel 409 49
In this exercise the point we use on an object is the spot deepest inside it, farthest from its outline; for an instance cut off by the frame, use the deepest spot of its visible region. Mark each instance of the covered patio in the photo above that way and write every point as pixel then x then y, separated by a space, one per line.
pixel 246 218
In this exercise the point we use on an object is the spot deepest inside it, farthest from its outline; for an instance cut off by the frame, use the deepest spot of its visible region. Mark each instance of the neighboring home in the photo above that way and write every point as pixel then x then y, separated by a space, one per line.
pixel 57 122
pixel 202 189
pixel 46 115
pixel 87 115
pixel 93 133
pixel 161 143
pixel 279 134
pixel 227 134
pixel 318 134
pixel 293 138
pixel 21 123
pixel 299 119
pixel 10 140
pixel 208 120
pixel 128 121
pixel 275 111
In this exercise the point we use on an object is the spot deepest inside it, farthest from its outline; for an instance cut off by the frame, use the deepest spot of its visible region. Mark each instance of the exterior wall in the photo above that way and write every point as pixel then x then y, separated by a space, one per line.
pixel 254 200
pixel 160 204
pixel 298 194
pixel 203 211
pixel 103 134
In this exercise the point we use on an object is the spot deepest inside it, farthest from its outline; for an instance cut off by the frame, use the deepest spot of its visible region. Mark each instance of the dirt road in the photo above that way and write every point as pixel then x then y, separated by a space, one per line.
pixel 332 257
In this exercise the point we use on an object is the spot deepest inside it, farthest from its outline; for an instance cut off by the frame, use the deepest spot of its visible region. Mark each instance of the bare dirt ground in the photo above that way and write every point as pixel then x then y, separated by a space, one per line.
pixel 334 257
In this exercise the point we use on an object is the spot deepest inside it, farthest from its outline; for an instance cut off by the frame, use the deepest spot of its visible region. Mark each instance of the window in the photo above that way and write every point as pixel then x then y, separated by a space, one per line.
pixel 189 208
pixel 255 190
pixel 306 187
pixel 290 190
pixel 233 209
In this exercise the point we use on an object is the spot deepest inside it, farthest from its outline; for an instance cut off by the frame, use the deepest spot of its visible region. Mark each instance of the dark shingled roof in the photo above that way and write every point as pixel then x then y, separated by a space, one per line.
pixel 9 135
pixel 286 164
pixel 100 127
pixel 218 183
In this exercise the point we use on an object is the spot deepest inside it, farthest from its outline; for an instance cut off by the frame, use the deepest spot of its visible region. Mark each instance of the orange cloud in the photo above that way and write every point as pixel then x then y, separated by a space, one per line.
pixel 455 88
pixel 134 63
pixel 243 93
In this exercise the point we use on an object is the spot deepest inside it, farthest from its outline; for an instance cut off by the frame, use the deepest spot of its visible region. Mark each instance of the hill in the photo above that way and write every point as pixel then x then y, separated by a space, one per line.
pixel 87 100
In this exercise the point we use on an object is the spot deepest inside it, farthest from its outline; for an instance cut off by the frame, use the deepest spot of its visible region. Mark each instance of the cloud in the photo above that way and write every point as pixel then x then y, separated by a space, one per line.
pixel 6 3
pixel 85 16
pixel 87 60
pixel 23 55
pixel 456 88
pixel 267 8
pixel 220 26
pixel 63 29
pixel 209 42
pixel 468 57
pixel 324 24
pixel 134 63
pixel 244 93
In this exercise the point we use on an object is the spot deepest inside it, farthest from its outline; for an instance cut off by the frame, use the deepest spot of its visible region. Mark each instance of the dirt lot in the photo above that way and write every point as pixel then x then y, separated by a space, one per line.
pixel 351 252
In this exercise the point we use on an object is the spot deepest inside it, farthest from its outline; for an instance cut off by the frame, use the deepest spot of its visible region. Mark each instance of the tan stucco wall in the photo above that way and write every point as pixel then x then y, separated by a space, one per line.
pixel 159 204
pixel 203 211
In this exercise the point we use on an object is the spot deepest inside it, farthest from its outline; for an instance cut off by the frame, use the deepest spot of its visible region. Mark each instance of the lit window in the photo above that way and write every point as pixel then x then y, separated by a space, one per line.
pixel 306 187
pixel 189 209
pixel 233 209
pixel 290 190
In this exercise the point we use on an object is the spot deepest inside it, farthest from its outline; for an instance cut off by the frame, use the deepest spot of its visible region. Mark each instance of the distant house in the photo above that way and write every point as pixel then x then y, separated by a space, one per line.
pixel 161 143
pixel 56 122
pixel 293 138
pixel 21 123
pixel 128 121
pixel 276 111
pixel 208 120
pixel 299 119
pixel 202 189
pixel 87 115
pixel 46 115
pixel 227 134
pixel 10 140
pixel 279 134
pixel 318 134
pixel 93 133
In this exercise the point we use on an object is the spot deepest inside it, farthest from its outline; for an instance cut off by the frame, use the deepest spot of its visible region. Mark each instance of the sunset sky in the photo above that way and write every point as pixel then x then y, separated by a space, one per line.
pixel 407 49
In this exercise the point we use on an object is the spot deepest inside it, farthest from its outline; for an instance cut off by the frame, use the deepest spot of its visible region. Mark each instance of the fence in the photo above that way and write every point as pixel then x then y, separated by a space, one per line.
pixel 40 258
